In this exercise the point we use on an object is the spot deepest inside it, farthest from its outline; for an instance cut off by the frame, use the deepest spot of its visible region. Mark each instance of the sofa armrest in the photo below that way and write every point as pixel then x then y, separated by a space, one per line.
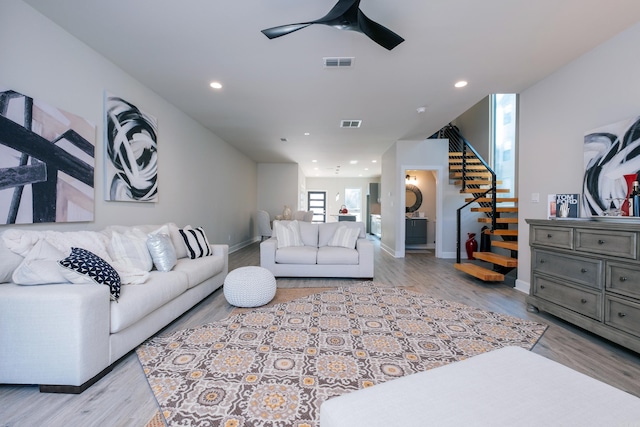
pixel 365 256
pixel 268 252
pixel 223 251
pixel 53 334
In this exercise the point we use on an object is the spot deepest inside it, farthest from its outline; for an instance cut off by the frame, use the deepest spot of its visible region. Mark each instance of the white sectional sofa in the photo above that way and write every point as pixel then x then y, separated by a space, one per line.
pixel 319 253
pixel 66 336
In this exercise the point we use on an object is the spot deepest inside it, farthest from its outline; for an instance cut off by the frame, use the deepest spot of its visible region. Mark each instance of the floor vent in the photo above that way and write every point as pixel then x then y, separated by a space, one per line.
pixel 350 123
pixel 344 62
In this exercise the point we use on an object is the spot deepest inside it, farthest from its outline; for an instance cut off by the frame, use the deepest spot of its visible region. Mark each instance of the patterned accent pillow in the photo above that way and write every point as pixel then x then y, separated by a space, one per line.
pixel 288 234
pixel 345 237
pixel 82 266
pixel 196 242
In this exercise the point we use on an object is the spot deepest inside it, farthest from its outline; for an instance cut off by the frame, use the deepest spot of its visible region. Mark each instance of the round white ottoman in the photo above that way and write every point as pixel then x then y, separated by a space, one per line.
pixel 249 286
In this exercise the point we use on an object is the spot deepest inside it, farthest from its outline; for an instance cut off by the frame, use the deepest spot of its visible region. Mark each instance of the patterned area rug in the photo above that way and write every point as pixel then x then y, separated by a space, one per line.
pixel 274 367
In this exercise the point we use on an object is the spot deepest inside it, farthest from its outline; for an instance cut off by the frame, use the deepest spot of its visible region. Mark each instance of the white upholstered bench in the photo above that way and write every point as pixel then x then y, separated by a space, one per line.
pixel 506 387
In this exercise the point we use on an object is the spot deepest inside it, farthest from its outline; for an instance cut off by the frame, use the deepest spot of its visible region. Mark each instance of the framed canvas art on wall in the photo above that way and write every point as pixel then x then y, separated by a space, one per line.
pixel 131 152
pixel 610 153
pixel 47 162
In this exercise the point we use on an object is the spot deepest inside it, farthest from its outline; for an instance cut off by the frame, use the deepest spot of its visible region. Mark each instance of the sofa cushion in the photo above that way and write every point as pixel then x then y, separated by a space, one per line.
pixel 137 301
pixel 83 266
pixel 345 237
pixel 130 249
pixel 200 269
pixel 296 255
pixel 328 255
pixel 40 266
pixel 287 234
pixel 309 233
pixel 10 261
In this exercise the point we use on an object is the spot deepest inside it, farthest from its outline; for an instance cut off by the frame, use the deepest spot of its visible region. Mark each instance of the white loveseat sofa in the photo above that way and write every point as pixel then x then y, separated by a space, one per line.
pixel 317 255
pixel 66 336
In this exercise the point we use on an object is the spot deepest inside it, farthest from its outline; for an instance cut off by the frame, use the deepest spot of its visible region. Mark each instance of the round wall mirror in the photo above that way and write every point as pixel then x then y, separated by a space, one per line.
pixel 413 199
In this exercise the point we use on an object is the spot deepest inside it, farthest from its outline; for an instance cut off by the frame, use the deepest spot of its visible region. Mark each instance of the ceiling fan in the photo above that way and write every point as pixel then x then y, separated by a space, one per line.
pixel 345 15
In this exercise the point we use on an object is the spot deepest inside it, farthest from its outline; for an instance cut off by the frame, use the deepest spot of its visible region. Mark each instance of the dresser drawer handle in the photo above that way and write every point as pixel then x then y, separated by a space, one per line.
pixel 601 242
pixel 584 301
pixel 542 261
pixel 583 270
pixel 623 279
pixel 549 236
pixel 622 314
pixel 541 286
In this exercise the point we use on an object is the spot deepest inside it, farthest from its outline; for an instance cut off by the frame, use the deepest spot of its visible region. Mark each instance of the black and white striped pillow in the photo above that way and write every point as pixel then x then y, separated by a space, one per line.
pixel 196 242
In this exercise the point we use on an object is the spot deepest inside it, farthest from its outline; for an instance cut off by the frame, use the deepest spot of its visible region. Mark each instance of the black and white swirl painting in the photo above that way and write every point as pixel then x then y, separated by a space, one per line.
pixel 610 153
pixel 131 158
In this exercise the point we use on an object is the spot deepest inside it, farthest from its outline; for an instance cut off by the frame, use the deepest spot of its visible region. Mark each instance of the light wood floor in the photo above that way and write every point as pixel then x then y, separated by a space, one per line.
pixel 123 397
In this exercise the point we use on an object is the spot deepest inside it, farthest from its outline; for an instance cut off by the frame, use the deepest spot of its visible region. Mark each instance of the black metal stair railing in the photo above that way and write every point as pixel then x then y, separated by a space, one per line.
pixel 458 143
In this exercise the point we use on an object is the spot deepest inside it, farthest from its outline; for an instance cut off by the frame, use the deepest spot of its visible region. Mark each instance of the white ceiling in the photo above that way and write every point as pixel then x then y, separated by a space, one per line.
pixel 278 88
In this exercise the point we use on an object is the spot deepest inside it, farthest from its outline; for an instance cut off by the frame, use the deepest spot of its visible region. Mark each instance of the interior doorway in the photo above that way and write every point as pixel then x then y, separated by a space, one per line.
pixel 428 179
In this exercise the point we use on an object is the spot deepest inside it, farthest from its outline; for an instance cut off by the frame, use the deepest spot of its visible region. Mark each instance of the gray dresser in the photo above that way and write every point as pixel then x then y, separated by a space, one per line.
pixel 587 272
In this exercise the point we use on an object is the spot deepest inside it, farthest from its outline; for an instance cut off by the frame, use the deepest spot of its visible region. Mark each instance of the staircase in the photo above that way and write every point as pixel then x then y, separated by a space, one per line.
pixel 471 173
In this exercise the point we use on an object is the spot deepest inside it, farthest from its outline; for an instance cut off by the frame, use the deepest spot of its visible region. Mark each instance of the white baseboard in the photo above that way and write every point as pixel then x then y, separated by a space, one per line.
pixel 523 286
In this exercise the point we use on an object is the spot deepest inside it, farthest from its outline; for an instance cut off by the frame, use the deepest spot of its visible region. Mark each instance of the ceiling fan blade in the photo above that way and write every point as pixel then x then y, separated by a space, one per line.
pixel 282 30
pixel 340 13
pixel 376 32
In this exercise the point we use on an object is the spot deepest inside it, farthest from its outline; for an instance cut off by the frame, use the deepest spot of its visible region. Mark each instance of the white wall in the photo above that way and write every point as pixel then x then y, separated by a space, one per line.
pixel 278 186
pixel 475 126
pixel 199 175
pixel 597 89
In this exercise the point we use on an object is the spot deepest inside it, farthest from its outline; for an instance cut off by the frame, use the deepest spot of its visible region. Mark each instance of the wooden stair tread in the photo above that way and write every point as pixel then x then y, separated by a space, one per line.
pixel 472 174
pixel 482 190
pixel 498 259
pixel 487 220
pixel 479 272
pixel 490 200
pixel 469 161
pixel 502 232
pixel 505 244
pixel 507 209
pixel 469 167
pixel 476 182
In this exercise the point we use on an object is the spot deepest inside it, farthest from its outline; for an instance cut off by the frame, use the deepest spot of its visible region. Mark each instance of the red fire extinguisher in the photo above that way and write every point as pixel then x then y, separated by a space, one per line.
pixel 471 245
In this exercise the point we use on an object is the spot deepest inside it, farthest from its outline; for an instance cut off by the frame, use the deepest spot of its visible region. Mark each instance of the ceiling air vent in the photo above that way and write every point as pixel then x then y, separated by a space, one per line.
pixel 344 62
pixel 350 123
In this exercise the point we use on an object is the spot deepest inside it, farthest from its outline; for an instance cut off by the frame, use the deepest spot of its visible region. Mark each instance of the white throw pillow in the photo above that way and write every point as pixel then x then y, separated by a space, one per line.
pixel 196 242
pixel 130 249
pixel 288 234
pixel 40 266
pixel 345 237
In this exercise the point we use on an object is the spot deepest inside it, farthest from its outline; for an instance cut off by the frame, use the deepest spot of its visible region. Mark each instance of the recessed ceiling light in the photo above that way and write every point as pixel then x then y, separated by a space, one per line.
pixel 216 85
pixel 366 169
pixel 461 83
pixel 307 134
pixel 314 161
pixel 374 161
pixel 353 162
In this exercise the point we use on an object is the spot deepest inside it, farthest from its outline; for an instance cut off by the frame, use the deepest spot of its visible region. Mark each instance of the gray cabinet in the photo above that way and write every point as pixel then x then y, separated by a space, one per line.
pixel 587 272
pixel 415 231
pixel 376 226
